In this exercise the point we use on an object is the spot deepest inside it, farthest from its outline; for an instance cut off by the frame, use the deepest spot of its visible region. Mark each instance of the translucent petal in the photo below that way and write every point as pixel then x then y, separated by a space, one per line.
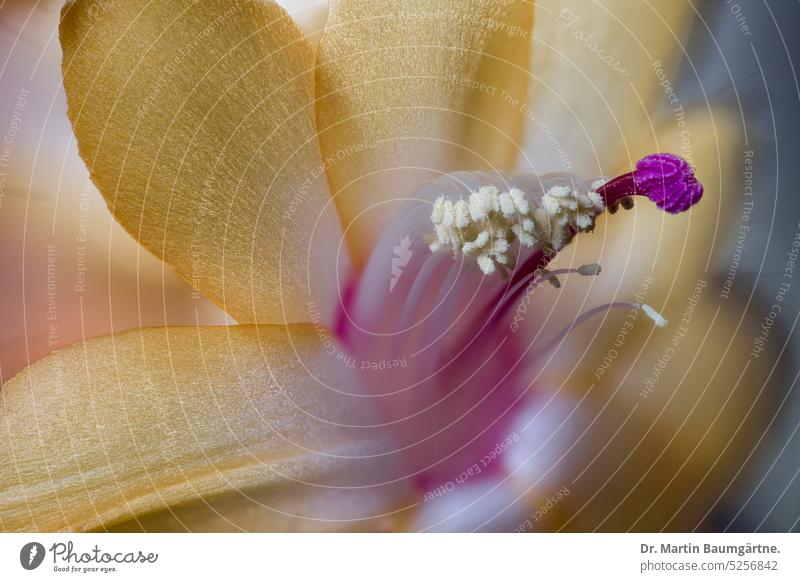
pixel 407 91
pixel 149 419
pixel 196 121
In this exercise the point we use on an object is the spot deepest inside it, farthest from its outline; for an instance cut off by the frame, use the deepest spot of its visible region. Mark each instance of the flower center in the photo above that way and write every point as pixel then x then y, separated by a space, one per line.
pixel 432 339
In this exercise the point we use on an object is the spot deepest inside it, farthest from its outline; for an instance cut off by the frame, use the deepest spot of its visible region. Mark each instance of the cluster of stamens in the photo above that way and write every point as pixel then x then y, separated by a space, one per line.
pixel 487 224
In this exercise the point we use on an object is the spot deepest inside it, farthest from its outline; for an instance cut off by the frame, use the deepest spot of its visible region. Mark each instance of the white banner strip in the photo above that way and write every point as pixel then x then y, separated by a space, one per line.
pixel 388 557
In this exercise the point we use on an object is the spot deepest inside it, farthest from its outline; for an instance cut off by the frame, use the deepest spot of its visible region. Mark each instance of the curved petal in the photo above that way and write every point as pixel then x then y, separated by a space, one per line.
pixel 196 123
pixel 125 425
pixel 596 79
pixel 56 234
pixel 409 90
pixel 284 509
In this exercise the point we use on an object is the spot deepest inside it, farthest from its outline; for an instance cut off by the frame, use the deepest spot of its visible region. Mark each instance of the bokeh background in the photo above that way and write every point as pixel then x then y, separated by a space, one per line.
pixel 68 271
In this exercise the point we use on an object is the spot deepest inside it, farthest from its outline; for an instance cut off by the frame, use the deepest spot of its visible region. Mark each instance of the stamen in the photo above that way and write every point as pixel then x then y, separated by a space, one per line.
pixel 515 291
pixel 589 270
pixel 488 224
pixel 484 227
pixel 552 278
pixel 657 318
pixel 649 311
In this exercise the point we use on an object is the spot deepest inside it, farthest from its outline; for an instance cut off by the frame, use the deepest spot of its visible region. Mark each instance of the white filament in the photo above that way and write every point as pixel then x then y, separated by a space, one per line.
pixel 649 311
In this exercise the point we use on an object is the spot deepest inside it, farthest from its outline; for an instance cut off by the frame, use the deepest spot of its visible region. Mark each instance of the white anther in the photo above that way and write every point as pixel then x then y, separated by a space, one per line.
pixel 584 221
pixel 551 204
pixel 559 191
pixel 489 197
pixel 507 205
pixel 520 202
pixel 437 215
pixel 489 221
pixel 597 200
pixel 462 217
pixel 449 216
pixel 500 246
pixel 525 238
pixel 486 264
pixel 476 207
pixel 473 247
pixel 657 318
pixel 589 270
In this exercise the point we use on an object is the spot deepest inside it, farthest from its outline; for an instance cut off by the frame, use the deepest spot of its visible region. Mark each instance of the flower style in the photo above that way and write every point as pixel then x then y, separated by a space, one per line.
pixel 364 384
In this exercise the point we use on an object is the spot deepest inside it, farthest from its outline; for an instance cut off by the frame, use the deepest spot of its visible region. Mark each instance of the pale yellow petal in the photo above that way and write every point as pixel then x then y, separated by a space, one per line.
pixel 596 78
pixel 69 270
pixel 149 419
pixel 387 510
pixel 409 90
pixel 197 124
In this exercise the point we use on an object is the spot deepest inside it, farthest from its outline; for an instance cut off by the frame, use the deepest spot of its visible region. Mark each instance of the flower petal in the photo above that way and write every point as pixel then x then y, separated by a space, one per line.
pixel 148 419
pixel 596 82
pixel 282 508
pixel 409 90
pixel 56 234
pixel 534 476
pixel 196 123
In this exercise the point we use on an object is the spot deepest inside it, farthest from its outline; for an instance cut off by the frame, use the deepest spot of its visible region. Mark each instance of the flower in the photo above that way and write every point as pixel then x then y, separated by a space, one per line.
pixel 225 146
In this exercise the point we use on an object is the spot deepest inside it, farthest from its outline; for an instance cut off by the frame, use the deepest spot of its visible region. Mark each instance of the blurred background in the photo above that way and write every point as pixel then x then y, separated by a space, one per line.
pixel 68 271
pixel 748 56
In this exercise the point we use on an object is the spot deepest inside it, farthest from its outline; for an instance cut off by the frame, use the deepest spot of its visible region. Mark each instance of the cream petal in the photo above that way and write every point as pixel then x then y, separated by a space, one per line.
pixel 197 124
pixel 57 237
pixel 595 84
pixel 149 419
pixel 285 509
pixel 407 90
